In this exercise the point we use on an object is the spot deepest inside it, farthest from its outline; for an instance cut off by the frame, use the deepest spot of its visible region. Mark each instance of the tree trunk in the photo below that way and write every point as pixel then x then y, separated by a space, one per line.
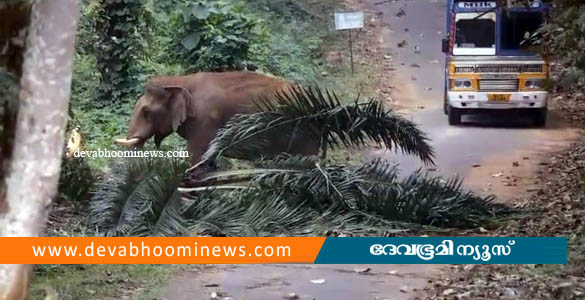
pixel 38 145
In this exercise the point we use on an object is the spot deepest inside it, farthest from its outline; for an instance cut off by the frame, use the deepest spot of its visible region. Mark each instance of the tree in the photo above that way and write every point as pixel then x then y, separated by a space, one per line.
pixel 118 32
pixel 38 144
pixel 565 36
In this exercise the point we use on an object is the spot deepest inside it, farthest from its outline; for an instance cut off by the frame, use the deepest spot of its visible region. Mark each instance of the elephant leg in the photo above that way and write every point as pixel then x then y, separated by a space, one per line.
pixel 198 141
pixel 303 145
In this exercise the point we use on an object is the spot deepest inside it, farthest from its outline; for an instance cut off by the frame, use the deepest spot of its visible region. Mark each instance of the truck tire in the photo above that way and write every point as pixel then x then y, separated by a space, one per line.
pixel 454 115
pixel 540 117
pixel 445 105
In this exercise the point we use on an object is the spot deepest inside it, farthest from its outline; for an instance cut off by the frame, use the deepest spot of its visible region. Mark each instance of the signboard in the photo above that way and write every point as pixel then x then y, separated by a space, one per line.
pixel 349 20
pixel 480 4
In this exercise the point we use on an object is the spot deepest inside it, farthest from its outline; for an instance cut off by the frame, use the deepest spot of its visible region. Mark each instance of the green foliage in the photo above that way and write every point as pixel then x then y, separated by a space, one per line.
pixel 74 282
pixel 292 196
pixel 566 39
pixel 373 190
pixel 85 83
pixel 119 28
pixel 211 35
pixel 8 111
pixel 76 181
pixel 296 36
pixel 138 198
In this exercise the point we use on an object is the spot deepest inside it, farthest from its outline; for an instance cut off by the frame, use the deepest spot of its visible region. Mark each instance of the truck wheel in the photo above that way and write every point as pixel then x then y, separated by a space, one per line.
pixel 540 117
pixel 445 107
pixel 454 115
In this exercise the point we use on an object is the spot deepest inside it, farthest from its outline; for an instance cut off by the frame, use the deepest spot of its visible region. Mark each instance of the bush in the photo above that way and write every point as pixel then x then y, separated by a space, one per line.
pixel 119 30
pixel 295 36
pixel 212 36
pixel 75 182
pixel 566 39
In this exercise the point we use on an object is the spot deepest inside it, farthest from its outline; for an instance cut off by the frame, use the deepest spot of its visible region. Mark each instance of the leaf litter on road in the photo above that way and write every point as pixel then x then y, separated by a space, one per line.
pixel 555 208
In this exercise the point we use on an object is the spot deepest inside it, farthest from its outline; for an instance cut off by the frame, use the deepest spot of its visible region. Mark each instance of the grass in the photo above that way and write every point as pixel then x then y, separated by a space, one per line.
pixel 100 281
pixel 348 85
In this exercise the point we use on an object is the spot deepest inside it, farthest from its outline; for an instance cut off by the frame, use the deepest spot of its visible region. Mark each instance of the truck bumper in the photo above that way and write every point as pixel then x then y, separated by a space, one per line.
pixel 479 100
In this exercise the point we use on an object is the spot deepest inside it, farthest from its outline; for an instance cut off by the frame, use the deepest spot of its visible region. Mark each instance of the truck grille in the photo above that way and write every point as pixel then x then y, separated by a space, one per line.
pixel 535 68
pixel 495 85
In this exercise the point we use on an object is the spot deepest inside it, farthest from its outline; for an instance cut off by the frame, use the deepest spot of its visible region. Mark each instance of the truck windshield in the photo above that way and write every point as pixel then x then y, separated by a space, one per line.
pixel 520 31
pixel 475 34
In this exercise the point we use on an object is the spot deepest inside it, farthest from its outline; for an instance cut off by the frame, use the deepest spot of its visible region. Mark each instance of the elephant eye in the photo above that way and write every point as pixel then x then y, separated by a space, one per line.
pixel 146 113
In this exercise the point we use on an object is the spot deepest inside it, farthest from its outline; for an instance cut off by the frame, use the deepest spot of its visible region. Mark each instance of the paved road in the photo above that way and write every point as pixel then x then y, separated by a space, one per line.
pixel 273 282
pixel 493 142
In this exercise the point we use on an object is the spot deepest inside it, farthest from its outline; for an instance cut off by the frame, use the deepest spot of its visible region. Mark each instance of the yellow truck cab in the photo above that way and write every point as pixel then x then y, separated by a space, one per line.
pixel 493 58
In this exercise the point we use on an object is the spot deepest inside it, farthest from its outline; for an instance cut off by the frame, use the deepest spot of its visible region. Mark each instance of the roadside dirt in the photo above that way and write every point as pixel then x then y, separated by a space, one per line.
pixel 558 208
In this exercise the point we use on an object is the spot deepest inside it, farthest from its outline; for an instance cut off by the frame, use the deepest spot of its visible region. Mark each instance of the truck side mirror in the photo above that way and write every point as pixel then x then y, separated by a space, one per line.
pixel 445 45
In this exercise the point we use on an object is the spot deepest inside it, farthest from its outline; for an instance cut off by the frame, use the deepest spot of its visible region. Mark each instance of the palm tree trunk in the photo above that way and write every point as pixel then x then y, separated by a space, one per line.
pixel 38 145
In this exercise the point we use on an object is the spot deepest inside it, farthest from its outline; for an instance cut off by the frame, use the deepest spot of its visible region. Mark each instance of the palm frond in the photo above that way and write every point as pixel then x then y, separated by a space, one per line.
pixel 314 116
pixel 254 212
pixel 374 190
pixel 290 195
pixel 131 199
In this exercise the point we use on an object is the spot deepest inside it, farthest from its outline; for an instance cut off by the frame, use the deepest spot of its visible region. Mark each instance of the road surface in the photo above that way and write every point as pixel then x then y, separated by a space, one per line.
pixel 494 143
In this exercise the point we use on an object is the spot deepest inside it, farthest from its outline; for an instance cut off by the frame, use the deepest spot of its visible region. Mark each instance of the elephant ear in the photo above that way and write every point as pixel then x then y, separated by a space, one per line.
pixel 178 105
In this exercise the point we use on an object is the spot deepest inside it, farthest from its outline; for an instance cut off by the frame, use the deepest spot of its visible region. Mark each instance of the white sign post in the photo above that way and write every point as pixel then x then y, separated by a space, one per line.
pixel 348 21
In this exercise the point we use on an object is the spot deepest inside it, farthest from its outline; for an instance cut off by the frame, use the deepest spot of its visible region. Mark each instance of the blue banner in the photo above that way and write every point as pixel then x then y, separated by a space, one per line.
pixel 444 250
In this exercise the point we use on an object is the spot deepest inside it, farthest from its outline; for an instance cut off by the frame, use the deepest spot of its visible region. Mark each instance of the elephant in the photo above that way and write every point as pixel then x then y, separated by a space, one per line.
pixel 196 106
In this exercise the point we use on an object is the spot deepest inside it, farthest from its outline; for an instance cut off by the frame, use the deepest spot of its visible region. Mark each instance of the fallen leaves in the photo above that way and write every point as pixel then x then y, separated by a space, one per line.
pixel 318 281
pixel 557 208
pixel 499 174
pixel 448 292
pixel 362 271
pixel 401 13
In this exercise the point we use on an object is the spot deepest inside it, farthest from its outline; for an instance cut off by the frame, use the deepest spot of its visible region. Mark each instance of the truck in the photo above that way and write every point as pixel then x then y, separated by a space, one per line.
pixel 494 58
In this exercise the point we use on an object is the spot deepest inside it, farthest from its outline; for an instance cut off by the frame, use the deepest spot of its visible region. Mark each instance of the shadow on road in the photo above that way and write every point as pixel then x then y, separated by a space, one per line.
pixel 511 120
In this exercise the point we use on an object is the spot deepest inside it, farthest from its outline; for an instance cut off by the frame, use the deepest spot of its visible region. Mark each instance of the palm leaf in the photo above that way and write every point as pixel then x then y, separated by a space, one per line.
pixel 373 191
pixel 319 117
pixel 133 197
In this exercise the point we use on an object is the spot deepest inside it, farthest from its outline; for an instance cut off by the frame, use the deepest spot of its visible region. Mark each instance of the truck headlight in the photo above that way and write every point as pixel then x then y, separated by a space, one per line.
pixel 462 84
pixel 533 84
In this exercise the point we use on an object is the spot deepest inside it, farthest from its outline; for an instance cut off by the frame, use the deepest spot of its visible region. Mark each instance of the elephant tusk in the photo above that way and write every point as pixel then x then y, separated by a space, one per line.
pixel 127 143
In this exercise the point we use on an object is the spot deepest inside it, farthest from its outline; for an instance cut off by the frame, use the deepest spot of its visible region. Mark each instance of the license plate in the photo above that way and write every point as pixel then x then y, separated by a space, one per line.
pixel 499 97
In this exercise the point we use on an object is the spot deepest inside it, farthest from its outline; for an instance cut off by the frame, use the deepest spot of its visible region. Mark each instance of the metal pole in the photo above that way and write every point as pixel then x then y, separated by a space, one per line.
pixel 351 52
